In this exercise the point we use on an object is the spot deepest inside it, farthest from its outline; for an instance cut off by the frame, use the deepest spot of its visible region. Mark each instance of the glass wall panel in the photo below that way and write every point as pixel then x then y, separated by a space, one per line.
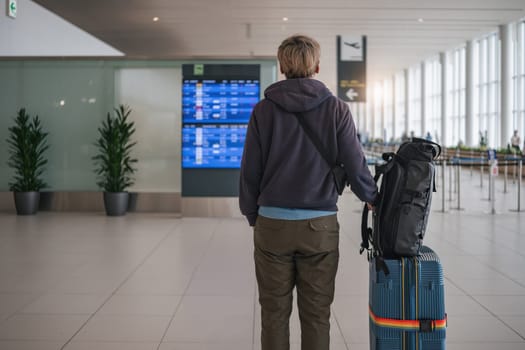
pixel 154 96
pixel 414 91
pixel 359 114
pixel 519 80
pixel 487 85
pixel 399 117
pixel 433 98
pixel 456 97
pixel 388 132
pixel 378 110
pixel 72 98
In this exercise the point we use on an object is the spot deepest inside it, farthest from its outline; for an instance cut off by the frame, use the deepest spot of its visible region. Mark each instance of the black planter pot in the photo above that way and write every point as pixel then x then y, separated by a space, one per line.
pixel 26 203
pixel 116 203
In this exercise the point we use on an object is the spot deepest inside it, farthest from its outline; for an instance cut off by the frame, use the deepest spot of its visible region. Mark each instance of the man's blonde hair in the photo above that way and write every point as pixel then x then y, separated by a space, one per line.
pixel 299 56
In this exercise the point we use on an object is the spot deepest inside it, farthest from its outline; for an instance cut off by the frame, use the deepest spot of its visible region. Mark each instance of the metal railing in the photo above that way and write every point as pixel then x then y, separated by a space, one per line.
pixel 457 163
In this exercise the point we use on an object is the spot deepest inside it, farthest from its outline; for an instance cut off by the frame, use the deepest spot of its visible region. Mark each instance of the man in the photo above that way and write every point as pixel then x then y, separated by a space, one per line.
pixel 515 141
pixel 288 193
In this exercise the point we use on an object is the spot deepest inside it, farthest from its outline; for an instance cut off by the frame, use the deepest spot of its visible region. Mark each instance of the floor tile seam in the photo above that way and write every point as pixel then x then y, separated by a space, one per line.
pixel 491 267
pixel 17 311
pixel 100 314
pixel 195 269
pixel 216 295
pixel 511 248
pixel 492 240
pixel 497 295
pixel 485 342
pixel 486 309
pixel 114 342
pixel 505 315
pixel 117 288
pixel 35 339
pixel 509 278
pixel 340 330
pixel 505 274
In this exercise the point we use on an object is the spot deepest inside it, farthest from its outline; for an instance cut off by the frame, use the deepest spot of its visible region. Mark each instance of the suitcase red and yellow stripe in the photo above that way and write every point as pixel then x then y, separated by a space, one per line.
pixel 407 306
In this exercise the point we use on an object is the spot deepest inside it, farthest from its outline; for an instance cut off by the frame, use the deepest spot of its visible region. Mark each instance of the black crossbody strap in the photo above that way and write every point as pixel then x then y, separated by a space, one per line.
pixel 314 139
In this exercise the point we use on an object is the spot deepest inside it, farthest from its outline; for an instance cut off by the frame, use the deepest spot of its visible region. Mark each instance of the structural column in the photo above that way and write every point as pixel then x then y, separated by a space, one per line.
pixel 394 108
pixel 423 99
pixel 363 119
pixel 383 112
pixel 371 120
pixel 470 133
pixel 444 99
pixel 505 35
pixel 407 103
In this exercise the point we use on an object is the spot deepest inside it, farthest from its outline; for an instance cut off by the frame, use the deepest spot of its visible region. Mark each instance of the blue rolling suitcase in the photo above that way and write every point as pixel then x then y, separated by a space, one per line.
pixel 407 305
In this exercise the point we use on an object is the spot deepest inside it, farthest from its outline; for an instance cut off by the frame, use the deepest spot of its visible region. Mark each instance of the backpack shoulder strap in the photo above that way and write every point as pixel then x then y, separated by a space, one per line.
pixel 315 140
pixel 367 232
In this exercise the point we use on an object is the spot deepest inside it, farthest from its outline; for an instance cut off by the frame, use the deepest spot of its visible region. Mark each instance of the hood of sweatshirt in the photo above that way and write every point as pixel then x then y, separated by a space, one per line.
pixel 297 95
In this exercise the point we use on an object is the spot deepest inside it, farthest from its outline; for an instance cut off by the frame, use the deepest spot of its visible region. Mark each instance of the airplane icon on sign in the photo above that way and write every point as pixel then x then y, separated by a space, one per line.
pixel 354 45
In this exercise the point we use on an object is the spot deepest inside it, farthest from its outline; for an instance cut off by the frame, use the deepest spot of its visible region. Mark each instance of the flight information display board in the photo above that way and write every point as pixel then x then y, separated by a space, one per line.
pixel 212 145
pixel 217 102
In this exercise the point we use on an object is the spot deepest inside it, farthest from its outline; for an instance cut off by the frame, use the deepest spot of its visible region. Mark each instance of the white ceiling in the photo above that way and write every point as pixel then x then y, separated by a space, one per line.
pixel 251 28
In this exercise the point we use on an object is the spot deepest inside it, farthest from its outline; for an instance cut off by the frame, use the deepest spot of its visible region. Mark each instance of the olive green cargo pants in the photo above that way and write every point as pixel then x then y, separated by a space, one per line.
pixel 302 254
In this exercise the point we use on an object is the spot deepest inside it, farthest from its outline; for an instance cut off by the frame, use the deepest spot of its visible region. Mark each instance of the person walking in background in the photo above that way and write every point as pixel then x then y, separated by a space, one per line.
pixel 287 192
pixel 515 141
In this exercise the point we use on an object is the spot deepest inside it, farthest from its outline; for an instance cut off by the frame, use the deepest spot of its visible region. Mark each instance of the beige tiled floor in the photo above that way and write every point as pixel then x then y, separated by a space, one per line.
pixel 83 281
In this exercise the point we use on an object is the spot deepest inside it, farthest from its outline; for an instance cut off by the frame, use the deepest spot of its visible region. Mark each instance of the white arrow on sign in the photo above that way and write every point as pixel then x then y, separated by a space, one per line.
pixel 352 94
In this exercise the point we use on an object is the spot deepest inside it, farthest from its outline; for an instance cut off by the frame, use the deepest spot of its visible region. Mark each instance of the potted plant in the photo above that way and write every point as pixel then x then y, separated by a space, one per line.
pixel 114 162
pixel 27 143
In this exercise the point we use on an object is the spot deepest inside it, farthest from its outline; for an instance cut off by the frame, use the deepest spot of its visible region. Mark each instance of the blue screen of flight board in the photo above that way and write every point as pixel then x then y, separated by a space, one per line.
pixel 212 146
pixel 219 100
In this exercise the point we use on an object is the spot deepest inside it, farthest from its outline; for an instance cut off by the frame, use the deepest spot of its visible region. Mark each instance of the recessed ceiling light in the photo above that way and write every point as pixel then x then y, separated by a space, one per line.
pixel 155 19
pixel 421 20
pixel 62 102
pixel 285 19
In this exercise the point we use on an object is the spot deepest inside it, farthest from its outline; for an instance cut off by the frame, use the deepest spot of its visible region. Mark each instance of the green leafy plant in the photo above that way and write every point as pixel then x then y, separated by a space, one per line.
pixel 27 144
pixel 113 161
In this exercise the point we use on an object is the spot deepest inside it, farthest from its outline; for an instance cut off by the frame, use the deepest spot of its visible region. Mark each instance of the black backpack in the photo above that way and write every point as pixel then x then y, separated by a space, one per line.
pixel 403 204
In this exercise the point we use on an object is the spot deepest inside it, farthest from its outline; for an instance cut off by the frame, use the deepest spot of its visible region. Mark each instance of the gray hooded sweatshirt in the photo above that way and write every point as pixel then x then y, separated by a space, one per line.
pixel 281 167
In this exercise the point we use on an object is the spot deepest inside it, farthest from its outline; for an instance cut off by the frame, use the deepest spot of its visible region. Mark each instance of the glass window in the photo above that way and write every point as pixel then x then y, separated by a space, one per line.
pixel 378 111
pixel 399 113
pixel 433 98
pixel 388 132
pixel 456 97
pixel 487 85
pixel 414 92
pixel 358 110
pixel 519 80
